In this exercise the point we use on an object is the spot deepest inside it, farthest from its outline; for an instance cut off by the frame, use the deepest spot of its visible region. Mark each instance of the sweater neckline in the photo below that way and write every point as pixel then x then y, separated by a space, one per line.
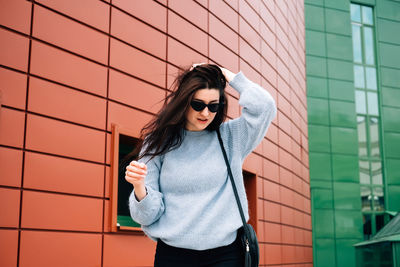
pixel 195 133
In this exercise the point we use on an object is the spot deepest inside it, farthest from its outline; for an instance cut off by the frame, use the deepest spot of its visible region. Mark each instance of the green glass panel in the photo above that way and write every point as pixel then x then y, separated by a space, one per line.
pixel 320 184
pixel 389 55
pixel 374 137
pixel 325 252
pixel 337 21
pixel 364 172
pixel 341 90
pixel 315 43
pixel 344 140
pixel 391 118
pixel 317 87
pixel 346 252
pixel 361 103
pixel 316 66
pixel 338 4
pixel 392 144
pixel 339 46
pixel 315 2
pixel 370 77
pixel 376 172
pixel 355 12
pixel 367 15
pixel 379 200
pixel 320 166
pixel 341 70
pixel 366 197
pixel 346 196
pixel 388 10
pixel 357 56
pixel 359 76
pixel 369 46
pixel 372 100
pixel 345 168
pixel 390 77
pixel 342 113
pixel 393 197
pixel 318 111
pixel 390 97
pixel 319 138
pixel 362 136
pixel 392 171
pixel 322 198
pixel 386 28
pixel 315 17
pixel 323 223
pixel 348 224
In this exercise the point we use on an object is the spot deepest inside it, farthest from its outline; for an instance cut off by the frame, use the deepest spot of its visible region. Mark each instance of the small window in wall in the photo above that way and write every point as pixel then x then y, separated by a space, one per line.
pixel 123 143
pixel 250 183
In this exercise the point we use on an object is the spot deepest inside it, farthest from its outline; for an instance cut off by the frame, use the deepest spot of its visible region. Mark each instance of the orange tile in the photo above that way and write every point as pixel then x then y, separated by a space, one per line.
pixel 128 250
pixel 137 63
pixel 247 12
pixel 181 55
pixel 284 122
pixel 249 70
pixel 287 234
pixel 221 32
pixel 272 211
pixel 107 187
pixel 287 196
pixel 134 92
pixel 16 15
pixel 298 215
pixel 172 72
pixel 223 56
pixel 140 9
pixel 61 212
pixel 11 127
pixel 192 11
pixel 8 247
pixel 42 248
pixel 9 206
pixel 108 148
pixel 14 49
pixel 271 191
pixel 127 28
pixel 260 230
pixel 285 141
pixel 233 107
pixel 295 134
pixel 299 236
pixel 308 238
pixel 250 34
pixel 51 173
pixel 272 133
pixel 228 15
pixel 187 33
pixel 270 150
pixel 71 35
pixel 272 254
pixel 10 166
pixel 273 232
pixel 74 71
pixel 64 139
pixel 68 104
pixel 253 164
pixel 267 21
pixel 127 117
pixel 287 215
pixel 13 88
pixel 107 216
pixel 285 177
pixel 285 159
pixel 268 72
pixel 270 170
pixel 288 254
pixel 249 54
pixel 98 16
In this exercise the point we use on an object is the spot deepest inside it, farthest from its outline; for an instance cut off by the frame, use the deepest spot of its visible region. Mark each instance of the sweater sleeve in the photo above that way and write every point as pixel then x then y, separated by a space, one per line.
pixel 151 207
pixel 258 110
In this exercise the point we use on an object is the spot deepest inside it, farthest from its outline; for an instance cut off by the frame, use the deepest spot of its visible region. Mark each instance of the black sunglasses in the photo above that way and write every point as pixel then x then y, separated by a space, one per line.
pixel 200 105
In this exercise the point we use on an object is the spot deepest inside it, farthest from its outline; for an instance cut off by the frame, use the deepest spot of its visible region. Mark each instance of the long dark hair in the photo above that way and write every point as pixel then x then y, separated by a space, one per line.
pixel 165 131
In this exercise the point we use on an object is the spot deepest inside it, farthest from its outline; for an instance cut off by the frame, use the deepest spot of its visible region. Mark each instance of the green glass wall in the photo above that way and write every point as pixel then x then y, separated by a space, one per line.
pixel 333 129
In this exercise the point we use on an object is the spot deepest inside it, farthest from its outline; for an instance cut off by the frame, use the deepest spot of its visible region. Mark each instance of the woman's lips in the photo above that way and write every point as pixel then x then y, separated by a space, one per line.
pixel 202 120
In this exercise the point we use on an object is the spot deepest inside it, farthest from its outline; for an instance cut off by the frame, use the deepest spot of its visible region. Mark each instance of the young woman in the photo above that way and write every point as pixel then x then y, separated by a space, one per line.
pixel 182 195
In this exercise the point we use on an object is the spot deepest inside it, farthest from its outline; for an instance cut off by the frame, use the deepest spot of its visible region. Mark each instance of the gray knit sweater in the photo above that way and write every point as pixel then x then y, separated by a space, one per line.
pixel 190 201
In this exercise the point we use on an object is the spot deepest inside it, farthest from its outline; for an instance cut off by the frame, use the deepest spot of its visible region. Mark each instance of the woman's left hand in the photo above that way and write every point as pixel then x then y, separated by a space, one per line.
pixel 229 75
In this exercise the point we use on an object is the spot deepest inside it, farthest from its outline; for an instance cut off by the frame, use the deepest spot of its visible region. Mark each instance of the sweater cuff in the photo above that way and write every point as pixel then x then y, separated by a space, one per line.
pixel 142 204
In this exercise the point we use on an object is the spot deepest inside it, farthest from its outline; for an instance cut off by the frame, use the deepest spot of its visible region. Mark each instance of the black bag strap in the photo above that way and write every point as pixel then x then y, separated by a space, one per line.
pixel 231 178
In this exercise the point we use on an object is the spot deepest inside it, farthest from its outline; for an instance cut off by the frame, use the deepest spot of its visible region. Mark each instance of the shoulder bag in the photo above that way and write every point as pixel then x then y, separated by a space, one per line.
pixel 246 233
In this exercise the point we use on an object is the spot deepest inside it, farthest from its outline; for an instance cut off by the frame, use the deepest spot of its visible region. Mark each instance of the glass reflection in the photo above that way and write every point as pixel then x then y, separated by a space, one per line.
pixel 359 76
pixel 361 106
pixel 370 75
pixel 367 226
pixel 372 99
pixel 357 57
pixel 368 46
pixel 367 15
pixel 355 13
pixel 366 198
pixel 374 136
pixel 364 172
pixel 376 171
pixel 362 136
pixel 379 201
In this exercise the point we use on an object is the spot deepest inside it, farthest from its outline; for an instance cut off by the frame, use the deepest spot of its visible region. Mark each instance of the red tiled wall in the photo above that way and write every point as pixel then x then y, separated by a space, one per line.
pixel 68 69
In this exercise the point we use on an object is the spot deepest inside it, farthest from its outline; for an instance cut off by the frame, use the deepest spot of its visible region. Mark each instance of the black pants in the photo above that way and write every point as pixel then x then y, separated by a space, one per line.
pixel 226 256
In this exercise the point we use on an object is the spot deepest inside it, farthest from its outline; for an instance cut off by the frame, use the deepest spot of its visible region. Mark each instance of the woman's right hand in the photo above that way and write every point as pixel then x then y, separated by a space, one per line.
pixel 135 174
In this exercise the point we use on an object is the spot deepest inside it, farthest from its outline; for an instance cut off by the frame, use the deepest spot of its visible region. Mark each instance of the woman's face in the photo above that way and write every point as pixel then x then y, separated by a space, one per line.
pixel 199 120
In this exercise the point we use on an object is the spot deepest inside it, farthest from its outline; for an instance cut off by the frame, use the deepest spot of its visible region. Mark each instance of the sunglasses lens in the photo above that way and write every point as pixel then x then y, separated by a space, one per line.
pixel 213 107
pixel 197 105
